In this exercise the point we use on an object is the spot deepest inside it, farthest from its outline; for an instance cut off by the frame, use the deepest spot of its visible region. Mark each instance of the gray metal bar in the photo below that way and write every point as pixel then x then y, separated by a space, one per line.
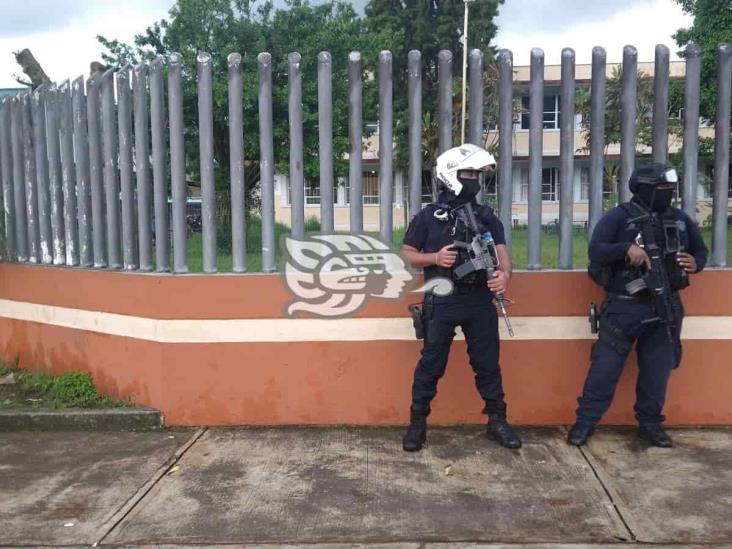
pixel 266 160
pixel 660 105
pixel 96 185
pixel 159 154
pixel 142 167
pixel 475 114
pixel 179 190
pixel 31 192
pixel 205 142
pixel 325 139
pixel 21 216
pixel 81 153
pixel 296 178
pixel 597 135
pixel 355 127
pixel 414 91
pixel 444 100
pixel 566 159
pixel 692 80
pixel 127 186
pixel 505 144
pixel 6 165
pixel 55 179
pixel 68 174
pixel 111 182
pixel 38 108
pixel 236 163
pixel 386 143
pixel 536 154
pixel 721 156
pixel 628 112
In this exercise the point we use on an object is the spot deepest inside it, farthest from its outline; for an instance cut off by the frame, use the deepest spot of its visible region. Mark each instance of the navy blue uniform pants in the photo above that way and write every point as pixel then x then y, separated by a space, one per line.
pixel 476 314
pixel 631 322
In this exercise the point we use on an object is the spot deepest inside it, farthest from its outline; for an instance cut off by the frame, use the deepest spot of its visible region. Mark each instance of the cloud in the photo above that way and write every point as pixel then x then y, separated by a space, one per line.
pixel 611 25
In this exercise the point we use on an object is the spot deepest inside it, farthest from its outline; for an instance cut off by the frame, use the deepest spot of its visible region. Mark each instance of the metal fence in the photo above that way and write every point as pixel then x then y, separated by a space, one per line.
pixel 88 170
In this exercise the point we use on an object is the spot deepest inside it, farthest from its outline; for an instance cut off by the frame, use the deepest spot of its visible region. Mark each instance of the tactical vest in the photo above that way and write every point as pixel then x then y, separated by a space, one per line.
pixel 668 236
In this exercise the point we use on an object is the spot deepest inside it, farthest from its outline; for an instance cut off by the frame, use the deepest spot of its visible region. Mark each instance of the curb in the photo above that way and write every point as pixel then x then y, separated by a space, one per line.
pixel 109 419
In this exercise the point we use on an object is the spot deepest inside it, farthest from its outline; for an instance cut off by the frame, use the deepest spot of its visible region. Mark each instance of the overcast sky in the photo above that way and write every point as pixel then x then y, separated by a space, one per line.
pixel 61 33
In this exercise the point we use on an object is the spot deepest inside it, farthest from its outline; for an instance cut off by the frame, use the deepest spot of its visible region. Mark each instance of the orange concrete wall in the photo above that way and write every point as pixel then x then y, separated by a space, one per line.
pixel 255 379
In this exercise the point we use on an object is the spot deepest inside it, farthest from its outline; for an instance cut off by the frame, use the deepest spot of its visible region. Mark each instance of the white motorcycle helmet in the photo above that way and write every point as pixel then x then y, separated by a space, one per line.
pixel 464 157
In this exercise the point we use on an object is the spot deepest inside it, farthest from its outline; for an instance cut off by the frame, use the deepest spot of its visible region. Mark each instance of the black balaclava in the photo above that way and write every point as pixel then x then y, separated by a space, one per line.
pixel 658 200
pixel 471 188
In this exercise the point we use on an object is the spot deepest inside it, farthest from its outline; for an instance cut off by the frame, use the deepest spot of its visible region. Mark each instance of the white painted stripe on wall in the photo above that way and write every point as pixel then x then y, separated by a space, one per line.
pixel 293 330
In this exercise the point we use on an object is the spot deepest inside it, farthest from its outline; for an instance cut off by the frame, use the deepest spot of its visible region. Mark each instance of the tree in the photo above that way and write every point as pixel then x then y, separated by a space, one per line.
pixel 429 26
pixel 224 26
pixel 712 26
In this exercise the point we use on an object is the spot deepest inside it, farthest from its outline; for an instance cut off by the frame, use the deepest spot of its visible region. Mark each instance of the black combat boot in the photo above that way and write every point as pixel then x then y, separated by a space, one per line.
pixel 653 433
pixel 416 434
pixel 499 429
pixel 579 433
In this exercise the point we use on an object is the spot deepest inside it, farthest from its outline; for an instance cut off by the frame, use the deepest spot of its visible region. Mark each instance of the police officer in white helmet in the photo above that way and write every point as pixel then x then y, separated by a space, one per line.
pixel 432 242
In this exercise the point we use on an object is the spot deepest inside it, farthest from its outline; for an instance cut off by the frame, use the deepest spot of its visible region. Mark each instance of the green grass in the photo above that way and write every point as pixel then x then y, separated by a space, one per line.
pixel 39 390
pixel 519 252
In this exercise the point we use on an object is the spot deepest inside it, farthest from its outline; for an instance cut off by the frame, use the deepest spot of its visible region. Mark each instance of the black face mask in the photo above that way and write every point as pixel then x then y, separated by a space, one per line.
pixel 658 201
pixel 470 189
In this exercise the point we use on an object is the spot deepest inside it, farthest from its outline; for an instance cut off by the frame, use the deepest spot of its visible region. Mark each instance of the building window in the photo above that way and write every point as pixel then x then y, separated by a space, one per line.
pixel 312 193
pixel 550 117
pixel 549 184
pixel 490 189
pixel 524 194
pixel 584 183
pixel 370 187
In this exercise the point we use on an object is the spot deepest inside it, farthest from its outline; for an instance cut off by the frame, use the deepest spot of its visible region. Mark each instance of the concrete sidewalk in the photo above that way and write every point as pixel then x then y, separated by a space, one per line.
pixel 353 487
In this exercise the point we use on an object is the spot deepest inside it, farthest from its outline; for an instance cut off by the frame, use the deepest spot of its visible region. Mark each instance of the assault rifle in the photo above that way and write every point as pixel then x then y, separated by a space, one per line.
pixel 655 279
pixel 482 255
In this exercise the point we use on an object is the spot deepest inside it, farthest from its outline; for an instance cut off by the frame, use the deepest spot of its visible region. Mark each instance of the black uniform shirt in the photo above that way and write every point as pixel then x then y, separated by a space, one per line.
pixel 428 234
pixel 613 236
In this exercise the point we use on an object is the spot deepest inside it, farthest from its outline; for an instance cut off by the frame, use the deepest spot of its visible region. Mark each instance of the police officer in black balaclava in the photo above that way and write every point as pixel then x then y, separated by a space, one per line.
pixel 619 258
pixel 429 244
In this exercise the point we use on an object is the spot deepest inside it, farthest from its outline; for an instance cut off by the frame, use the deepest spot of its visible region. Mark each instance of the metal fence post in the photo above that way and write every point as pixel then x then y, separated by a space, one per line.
pixel 6 165
pixel 566 160
pixel 236 166
pixel 721 156
pixel 325 139
pixel 266 152
pixel 179 190
pixel 628 112
pixel 68 172
pixel 444 100
pixel 386 143
pixel 55 178
pixel 660 104
pixel 31 192
pixel 111 182
pixel 355 127
pixel 208 183
pixel 81 154
pixel 414 91
pixel 142 166
pixel 161 222
pixel 475 106
pixel 96 166
pixel 692 80
pixel 296 176
pixel 38 107
pixel 505 134
pixel 597 136
pixel 21 216
pixel 536 155
pixel 127 186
